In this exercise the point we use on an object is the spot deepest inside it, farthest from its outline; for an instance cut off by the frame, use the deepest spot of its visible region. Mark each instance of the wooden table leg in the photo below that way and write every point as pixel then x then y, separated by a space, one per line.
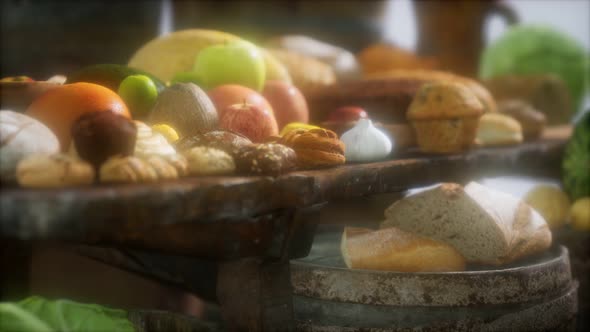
pixel 15 264
pixel 256 295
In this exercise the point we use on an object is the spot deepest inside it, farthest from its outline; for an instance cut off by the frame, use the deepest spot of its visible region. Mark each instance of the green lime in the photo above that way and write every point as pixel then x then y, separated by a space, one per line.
pixel 139 93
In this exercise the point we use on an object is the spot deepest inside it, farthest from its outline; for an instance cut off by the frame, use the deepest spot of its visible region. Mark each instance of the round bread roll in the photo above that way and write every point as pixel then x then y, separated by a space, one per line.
pixel 498 129
pixel 209 161
pixel 53 171
pixel 22 136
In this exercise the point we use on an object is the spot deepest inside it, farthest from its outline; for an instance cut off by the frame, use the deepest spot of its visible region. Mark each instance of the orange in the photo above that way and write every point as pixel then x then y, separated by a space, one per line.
pixel 59 108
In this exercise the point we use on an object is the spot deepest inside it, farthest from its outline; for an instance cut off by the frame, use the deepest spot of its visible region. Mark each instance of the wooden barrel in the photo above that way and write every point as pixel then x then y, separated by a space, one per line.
pixel 537 294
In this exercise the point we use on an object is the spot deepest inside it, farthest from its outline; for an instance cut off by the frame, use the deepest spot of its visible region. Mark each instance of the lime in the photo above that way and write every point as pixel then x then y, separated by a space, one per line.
pixel 139 93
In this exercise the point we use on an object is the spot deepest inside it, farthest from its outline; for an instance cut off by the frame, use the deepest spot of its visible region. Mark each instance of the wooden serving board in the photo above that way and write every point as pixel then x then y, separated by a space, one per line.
pixel 218 211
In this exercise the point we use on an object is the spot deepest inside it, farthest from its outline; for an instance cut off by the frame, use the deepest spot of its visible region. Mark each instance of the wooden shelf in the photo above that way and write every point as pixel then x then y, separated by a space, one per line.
pixel 131 212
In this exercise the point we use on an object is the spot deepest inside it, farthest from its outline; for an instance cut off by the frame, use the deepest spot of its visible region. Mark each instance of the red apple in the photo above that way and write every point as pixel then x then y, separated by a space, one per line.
pixel 347 114
pixel 287 101
pixel 249 120
pixel 226 95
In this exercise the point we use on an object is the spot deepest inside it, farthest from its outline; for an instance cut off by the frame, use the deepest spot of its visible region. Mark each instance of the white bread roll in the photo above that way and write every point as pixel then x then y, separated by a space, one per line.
pixel 486 226
pixel 498 129
pixel 392 249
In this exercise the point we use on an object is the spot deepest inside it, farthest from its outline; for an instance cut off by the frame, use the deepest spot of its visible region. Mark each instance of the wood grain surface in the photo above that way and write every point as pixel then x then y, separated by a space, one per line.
pixel 218 211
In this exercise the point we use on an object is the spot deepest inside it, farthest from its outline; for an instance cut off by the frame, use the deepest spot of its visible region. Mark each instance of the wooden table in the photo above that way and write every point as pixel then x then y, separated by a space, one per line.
pixel 243 230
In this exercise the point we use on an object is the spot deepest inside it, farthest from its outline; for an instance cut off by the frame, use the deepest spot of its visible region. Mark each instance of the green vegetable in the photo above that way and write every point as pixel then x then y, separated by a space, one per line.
pixel 36 314
pixel 576 161
pixel 535 49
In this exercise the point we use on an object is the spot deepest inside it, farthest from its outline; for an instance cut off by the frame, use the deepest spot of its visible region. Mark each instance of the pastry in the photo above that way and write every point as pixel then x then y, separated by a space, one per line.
pixel 53 171
pixel 315 147
pixel 426 76
pixel 486 226
pixel 306 72
pixel 163 168
pixel 343 62
pixel 380 57
pixel 531 120
pixel 547 93
pixel 149 143
pixel 179 162
pixel 386 96
pixel 265 159
pixel 209 161
pixel 20 137
pixel 100 135
pixel 227 141
pixel 392 249
pixel 445 116
pixel 127 169
pixel 498 129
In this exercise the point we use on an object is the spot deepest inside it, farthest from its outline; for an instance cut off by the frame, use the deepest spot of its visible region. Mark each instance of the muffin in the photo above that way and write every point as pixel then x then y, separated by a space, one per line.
pixel 445 116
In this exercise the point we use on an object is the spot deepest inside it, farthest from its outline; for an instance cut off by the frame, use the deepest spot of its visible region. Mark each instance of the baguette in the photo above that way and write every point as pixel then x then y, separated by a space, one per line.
pixel 392 249
pixel 486 226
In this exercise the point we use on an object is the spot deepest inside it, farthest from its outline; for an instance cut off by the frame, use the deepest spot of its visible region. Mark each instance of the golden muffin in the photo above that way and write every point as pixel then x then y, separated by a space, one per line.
pixel 445 116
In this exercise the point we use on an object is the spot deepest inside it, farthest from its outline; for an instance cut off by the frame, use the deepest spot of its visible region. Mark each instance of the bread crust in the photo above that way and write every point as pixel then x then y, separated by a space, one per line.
pixel 518 230
pixel 392 249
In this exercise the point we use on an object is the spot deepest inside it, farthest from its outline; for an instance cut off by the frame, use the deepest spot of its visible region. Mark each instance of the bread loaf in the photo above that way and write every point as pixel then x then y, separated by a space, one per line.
pixel 486 226
pixel 392 249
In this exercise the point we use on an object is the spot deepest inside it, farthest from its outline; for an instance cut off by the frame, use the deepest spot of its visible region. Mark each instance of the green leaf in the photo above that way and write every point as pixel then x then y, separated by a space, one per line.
pixel 38 314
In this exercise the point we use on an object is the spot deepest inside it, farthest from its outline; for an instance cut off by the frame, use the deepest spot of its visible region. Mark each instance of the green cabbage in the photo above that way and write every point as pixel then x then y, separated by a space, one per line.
pixel 576 161
pixel 537 49
pixel 36 314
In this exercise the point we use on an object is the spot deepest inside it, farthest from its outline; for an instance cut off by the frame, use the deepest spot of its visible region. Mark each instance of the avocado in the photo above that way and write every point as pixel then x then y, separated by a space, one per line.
pixel 110 75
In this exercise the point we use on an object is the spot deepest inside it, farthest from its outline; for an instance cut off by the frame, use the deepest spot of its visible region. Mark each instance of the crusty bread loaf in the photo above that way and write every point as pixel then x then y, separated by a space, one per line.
pixel 486 226
pixel 392 249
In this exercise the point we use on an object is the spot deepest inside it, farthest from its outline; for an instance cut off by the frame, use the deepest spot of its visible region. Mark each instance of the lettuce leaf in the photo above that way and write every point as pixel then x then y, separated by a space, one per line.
pixel 36 314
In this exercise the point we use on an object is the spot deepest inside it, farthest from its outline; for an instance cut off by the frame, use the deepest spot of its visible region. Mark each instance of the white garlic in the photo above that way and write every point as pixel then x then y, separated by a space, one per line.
pixel 364 142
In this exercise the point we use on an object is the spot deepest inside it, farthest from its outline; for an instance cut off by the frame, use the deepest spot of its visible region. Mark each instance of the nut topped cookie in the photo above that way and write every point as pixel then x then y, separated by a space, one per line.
pixel 265 159
pixel 224 140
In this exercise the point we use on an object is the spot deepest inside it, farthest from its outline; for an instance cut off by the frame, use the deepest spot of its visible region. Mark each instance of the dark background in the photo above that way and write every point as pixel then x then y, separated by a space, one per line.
pixel 41 38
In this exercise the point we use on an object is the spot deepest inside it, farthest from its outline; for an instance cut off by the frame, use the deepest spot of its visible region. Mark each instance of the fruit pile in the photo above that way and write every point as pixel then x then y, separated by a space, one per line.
pixel 219 106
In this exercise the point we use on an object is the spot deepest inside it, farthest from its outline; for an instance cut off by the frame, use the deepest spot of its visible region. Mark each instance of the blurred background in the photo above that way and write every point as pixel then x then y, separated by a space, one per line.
pixel 41 38
pixel 44 37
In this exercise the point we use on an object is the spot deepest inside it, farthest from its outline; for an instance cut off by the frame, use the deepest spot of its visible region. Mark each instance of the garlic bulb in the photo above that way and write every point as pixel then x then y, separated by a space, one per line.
pixel 364 142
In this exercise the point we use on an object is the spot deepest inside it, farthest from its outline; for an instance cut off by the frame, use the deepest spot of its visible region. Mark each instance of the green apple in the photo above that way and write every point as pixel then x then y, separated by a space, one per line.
pixel 237 62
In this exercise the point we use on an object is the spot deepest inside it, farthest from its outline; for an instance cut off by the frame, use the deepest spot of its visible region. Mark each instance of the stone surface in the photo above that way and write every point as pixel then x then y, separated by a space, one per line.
pixel 534 294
